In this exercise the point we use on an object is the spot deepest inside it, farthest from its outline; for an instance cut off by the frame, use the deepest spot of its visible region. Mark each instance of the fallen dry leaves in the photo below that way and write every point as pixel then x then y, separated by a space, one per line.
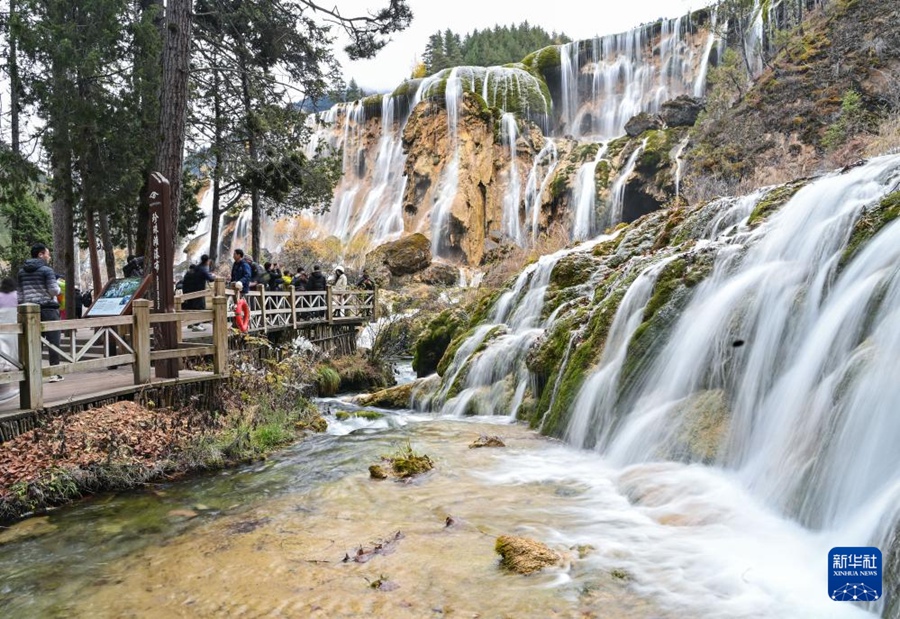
pixel 123 433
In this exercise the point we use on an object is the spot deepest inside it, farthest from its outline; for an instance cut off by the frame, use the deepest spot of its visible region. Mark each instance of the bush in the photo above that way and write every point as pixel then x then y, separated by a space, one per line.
pixel 328 381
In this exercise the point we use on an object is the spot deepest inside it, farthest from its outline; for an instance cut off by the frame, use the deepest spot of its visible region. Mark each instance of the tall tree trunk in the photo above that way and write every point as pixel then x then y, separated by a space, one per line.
pixel 146 78
pixel 14 85
pixel 218 147
pixel 93 254
pixel 252 150
pixel 108 250
pixel 173 102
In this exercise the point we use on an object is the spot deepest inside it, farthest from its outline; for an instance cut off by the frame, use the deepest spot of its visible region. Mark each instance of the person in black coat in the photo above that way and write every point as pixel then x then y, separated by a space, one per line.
pixel 317 282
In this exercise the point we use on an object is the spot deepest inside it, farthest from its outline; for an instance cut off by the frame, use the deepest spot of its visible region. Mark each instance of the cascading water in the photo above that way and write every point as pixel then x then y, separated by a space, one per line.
pixel 584 195
pixel 592 412
pixel 711 39
pixel 488 374
pixel 541 172
pixel 440 210
pixel 617 192
pixel 512 226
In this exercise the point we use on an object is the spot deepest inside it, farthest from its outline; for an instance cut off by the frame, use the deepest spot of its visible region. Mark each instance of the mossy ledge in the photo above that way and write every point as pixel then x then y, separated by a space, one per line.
pixel 869 224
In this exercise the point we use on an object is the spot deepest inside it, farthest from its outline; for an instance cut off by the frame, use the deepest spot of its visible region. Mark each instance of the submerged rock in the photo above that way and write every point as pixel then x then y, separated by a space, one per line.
pixel 525 556
pixel 487 441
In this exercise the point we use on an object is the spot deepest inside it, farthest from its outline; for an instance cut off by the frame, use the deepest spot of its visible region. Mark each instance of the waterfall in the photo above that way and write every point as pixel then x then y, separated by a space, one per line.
pixel 443 203
pixel 487 375
pixel 627 76
pixel 592 417
pixel 584 219
pixel 512 227
pixel 617 192
pixel 541 172
pixel 679 163
pixel 711 38
pixel 813 393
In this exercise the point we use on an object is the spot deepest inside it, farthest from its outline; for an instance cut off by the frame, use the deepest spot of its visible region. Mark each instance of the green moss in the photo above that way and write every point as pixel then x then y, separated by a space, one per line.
pixel 775 199
pixel 572 270
pixel 585 152
pixel 433 343
pixel 407 89
pixel 370 415
pixel 450 351
pixel 372 106
pixel 543 61
pixel 601 174
pixel 666 283
pixel 869 224
pixel 407 463
pixel 615 148
pixel 584 354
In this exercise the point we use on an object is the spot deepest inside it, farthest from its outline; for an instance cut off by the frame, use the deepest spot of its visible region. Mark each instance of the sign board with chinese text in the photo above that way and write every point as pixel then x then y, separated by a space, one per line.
pixel 160 262
pixel 116 297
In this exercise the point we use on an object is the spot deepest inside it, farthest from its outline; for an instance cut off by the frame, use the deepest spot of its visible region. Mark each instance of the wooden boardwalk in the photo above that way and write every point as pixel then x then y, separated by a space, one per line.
pixel 116 356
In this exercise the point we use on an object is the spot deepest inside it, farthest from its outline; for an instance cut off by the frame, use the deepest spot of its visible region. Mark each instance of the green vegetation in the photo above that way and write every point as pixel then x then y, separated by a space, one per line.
pixel 406 463
pixel 869 224
pixel 433 343
pixel 775 199
pixel 328 381
pixel 487 48
pixel 852 120
pixel 370 415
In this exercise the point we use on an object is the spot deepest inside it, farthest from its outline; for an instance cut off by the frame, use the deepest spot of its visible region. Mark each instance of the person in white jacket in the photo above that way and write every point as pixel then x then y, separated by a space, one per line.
pixel 339 282
pixel 9 349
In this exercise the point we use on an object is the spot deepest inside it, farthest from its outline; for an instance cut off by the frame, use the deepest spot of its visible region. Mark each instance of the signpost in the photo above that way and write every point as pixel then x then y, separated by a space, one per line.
pixel 160 259
pixel 116 297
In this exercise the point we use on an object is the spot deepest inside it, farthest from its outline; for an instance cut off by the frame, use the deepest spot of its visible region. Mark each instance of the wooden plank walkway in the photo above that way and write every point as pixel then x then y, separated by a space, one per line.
pixel 97 385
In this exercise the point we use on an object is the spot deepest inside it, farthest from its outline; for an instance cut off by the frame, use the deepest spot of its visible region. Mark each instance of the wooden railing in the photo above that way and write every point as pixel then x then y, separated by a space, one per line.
pixel 129 340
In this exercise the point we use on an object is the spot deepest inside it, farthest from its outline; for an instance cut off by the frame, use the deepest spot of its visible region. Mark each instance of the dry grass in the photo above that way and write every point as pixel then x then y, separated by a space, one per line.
pixel 887 139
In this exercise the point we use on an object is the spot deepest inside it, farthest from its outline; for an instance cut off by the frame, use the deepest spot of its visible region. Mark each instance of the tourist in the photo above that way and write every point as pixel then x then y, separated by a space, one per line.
pixel 8 344
pixel 37 284
pixel 241 272
pixel 365 281
pixel 317 283
pixel 301 279
pixel 339 282
pixel 195 280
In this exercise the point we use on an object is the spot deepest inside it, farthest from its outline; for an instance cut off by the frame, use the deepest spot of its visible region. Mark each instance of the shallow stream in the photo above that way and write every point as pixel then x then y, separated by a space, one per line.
pixel 269 540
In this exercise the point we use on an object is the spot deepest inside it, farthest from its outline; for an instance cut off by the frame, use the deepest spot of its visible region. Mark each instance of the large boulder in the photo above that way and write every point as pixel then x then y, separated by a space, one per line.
pixel 405 256
pixel 439 274
pixel 640 123
pixel 681 111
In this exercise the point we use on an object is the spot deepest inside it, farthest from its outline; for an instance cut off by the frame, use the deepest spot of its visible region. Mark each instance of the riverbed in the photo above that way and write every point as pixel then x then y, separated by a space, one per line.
pixel 280 538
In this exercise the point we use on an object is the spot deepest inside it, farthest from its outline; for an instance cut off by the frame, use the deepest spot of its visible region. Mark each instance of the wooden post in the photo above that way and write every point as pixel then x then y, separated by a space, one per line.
pixel 262 307
pixel 31 389
pixel 374 304
pixel 328 297
pixel 218 287
pixel 220 334
pixel 178 301
pixel 140 340
pixel 293 302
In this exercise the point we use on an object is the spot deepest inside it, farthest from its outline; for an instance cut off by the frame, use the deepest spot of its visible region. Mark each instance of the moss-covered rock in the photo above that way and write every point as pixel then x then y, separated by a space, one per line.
pixel 328 381
pixel 405 256
pixel 543 61
pixel 870 223
pixel 392 398
pixel 775 199
pixel 525 556
pixel 573 270
pixel 360 373
pixel 370 415
pixel 433 342
pixel 403 464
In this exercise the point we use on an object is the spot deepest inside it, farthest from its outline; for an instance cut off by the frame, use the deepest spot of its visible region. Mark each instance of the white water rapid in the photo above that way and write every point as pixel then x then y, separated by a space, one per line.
pixel 799 348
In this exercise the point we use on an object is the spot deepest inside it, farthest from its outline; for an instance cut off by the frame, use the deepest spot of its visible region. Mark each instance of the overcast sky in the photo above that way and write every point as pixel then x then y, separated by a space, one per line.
pixel 579 20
